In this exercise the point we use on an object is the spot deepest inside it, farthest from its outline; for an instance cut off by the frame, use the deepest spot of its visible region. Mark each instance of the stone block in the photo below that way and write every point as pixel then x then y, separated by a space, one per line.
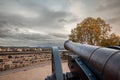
pixel 8 62
pixel 1 60
pixel 12 66
pixel 6 66
pixel 1 67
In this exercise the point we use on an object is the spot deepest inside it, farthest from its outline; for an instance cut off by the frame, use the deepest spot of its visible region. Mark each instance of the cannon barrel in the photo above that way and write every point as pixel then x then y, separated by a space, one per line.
pixel 104 62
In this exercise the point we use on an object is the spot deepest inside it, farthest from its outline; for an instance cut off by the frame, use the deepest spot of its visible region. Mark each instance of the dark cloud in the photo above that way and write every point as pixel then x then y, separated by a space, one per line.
pixel 19 14
pixel 109 5
pixel 12 36
pixel 4 33
pixel 59 35
pixel 114 20
pixel 45 17
pixel 68 20
pixel 3 23
pixel 14 33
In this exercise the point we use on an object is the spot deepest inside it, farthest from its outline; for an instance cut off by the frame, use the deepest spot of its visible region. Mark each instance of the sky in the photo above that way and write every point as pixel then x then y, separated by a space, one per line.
pixel 49 22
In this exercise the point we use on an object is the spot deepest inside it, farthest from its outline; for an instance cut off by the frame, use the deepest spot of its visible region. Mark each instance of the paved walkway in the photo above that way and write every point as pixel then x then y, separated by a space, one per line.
pixel 38 72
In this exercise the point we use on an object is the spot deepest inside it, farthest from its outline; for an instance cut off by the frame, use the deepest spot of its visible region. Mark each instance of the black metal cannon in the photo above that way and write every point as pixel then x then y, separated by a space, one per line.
pixel 88 63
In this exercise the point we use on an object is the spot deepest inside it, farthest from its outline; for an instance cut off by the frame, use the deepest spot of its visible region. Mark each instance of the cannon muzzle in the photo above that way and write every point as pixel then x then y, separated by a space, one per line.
pixel 103 62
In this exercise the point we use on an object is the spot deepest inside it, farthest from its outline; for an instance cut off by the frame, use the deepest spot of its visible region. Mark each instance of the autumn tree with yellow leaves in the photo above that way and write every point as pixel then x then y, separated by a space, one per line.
pixel 94 32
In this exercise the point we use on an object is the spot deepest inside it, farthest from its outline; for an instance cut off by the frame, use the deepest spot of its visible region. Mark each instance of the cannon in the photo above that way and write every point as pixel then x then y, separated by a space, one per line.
pixel 87 62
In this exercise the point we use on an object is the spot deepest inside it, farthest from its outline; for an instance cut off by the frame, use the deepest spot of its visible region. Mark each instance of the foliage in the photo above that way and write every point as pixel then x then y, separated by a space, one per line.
pixel 112 40
pixel 95 32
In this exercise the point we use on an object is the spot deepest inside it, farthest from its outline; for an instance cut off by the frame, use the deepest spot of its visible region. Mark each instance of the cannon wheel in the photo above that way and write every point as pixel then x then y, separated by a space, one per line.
pixel 56 65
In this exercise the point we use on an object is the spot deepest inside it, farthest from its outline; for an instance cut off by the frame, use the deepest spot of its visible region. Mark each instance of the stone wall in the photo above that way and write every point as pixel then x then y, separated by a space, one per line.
pixel 11 61
pixel 16 57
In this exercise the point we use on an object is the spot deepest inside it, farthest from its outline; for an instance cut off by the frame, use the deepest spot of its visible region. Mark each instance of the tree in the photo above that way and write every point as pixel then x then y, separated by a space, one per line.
pixel 73 35
pixel 93 31
pixel 112 40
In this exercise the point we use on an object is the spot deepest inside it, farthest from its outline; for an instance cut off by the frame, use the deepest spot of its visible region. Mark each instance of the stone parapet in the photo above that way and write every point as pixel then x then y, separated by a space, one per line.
pixel 11 61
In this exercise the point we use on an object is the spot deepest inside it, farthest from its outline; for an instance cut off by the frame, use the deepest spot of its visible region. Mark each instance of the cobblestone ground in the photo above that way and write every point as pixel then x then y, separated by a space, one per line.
pixel 34 73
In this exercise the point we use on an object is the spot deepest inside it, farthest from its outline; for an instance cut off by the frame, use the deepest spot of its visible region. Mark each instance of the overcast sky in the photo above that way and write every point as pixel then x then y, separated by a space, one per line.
pixel 42 22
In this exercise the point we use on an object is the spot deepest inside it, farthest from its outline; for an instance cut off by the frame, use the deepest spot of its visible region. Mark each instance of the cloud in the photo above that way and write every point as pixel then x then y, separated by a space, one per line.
pixel 114 20
pixel 35 15
pixel 108 5
pixel 29 22
pixel 109 10
pixel 18 36
pixel 4 33
pixel 35 22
